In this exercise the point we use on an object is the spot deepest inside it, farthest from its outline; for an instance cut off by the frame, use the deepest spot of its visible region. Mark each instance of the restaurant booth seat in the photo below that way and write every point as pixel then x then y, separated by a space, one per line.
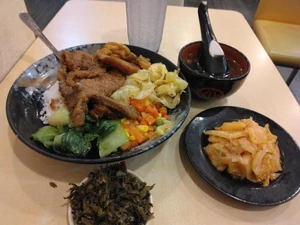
pixel 15 37
pixel 277 26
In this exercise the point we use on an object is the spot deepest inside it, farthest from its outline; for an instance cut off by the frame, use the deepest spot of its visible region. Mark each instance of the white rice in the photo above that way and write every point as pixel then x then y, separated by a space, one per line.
pixel 51 93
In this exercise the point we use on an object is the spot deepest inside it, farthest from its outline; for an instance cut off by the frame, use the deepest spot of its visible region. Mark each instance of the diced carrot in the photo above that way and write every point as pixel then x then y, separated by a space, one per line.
pixel 134 143
pixel 138 104
pixel 152 111
pixel 150 128
pixel 143 122
pixel 151 134
pixel 134 101
pixel 140 138
pixel 157 105
pixel 166 117
pixel 125 126
pixel 163 110
pixel 150 120
pixel 139 108
pixel 125 146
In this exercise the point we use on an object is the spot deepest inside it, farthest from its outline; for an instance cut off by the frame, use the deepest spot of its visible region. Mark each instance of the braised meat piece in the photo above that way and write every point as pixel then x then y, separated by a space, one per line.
pixel 126 110
pixel 86 87
pixel 124 66
pixel 78 60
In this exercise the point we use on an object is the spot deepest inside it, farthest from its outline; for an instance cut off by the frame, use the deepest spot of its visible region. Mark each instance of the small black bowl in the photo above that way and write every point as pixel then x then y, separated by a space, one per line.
pixel 212 88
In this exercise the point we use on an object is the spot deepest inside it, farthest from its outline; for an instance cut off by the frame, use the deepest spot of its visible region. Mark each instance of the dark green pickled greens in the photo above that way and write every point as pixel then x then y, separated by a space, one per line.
pixel 111 196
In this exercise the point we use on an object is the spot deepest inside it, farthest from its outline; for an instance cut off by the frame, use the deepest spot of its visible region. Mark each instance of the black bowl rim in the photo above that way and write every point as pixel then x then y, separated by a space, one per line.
pixel 216 78
pixel 104 159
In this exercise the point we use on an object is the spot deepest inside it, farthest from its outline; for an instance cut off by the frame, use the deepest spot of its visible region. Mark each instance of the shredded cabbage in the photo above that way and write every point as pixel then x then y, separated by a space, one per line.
pixel 156 83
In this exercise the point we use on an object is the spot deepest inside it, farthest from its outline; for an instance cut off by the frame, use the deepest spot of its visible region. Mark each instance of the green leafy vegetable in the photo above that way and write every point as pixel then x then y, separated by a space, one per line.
pixel 73 143
pixel 112 141
pixel 60 117
pixel 63 129
pixel 46 135
pixel 100 127
pixel 78 142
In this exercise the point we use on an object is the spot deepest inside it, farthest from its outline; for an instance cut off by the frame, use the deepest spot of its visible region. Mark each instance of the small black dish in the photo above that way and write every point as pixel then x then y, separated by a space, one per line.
pixel 207 87
pixel 24 103
pixel 281 190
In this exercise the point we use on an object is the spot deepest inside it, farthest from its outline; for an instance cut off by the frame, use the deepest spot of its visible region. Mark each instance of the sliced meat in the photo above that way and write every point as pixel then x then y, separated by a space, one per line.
pixel 98 111
pixel 125 67
pixel 86 85
pixel 104 83
pixel 126 110
pixel 77 60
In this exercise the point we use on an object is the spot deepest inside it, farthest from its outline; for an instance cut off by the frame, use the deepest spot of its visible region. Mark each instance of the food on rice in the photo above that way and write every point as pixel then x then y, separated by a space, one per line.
pixel 94 92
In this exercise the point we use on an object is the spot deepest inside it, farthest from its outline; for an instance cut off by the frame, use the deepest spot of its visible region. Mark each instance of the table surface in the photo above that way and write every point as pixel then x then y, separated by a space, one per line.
pixel 180 196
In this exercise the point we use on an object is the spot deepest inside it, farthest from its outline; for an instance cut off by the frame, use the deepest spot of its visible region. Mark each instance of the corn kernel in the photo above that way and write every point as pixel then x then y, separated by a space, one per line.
pixel 143 128
pixel 144 115
pixel 127 122
pixel 132 138
pixel 123 120
pixel 147 102
pixel 136 122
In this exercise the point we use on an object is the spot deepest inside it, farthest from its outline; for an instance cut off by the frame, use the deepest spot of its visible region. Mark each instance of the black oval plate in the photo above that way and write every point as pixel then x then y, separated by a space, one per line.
pixel 24 103
pixel 281 190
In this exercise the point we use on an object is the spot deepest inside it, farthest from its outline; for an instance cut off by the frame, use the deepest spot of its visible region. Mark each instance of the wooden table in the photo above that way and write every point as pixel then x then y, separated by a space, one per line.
pixel 181 196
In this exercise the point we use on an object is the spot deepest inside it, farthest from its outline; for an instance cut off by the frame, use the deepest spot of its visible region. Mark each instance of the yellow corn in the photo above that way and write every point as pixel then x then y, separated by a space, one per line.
pixel 147 102
pixel 136 122
pixel 127 122
pixel 123 120
pixel 144 115
pixel 132 138
pixel 143 128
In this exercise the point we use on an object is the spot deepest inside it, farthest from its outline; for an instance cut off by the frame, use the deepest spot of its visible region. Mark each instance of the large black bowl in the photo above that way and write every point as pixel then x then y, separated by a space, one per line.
pixel 24 103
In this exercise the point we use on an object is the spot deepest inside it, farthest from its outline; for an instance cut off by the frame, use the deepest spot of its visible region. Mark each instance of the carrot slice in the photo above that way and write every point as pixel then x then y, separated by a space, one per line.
pixel 152 111
pixel 150 120
pixel 138 104
pixel 151 134
pixel 139 137
pixel 143 122
pixel 166 117
pixel 134 143
pixel 163 110
pixel 125 146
